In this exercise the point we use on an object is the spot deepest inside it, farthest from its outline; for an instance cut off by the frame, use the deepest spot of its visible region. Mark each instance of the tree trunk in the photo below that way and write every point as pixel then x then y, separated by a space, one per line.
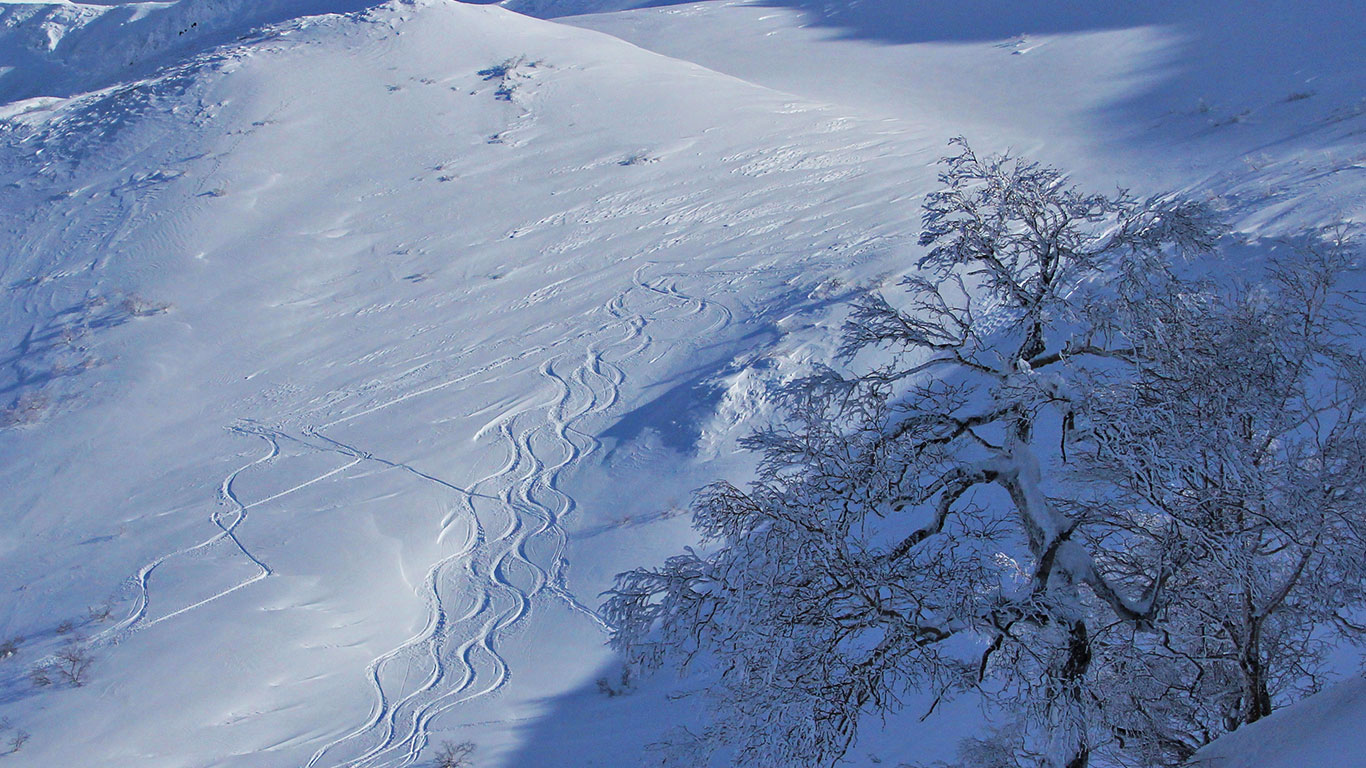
pixel 1074 682
pixel 1257 696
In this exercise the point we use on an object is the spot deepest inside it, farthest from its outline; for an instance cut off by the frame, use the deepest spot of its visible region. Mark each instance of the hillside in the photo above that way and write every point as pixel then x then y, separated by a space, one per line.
pixel 351 347
pixel 1323 731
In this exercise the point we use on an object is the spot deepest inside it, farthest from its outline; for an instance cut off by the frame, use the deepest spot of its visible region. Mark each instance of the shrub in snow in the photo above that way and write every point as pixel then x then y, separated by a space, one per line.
pixel 508 75
pixel 453 755
pixel 137 306
pixel 11 739
pixel 70 664
pixel 26 408
pixel 617 684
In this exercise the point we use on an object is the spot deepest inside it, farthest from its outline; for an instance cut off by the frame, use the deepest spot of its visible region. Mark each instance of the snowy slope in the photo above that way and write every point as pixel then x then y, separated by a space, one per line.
pixel 397 308
pixel 346 359
pixel 1248 104
pixel 59 48
pixel 1324 731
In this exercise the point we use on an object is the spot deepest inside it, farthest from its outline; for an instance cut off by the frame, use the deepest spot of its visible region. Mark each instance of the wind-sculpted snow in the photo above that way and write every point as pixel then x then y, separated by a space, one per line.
pixel 549 9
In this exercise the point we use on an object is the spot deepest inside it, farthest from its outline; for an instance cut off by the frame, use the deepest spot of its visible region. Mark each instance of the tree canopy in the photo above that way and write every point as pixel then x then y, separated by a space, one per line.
pixel 1123 502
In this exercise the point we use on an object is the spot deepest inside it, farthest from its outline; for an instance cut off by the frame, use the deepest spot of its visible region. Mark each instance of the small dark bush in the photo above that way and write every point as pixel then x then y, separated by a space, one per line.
pixel 453 755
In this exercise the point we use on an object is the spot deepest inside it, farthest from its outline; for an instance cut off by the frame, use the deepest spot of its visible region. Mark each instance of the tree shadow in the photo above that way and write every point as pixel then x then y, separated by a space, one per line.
pixel 1221 78
pixel 678 414
pixel 918 21
pixel 611 724
pixel 921 21
pixel 596 727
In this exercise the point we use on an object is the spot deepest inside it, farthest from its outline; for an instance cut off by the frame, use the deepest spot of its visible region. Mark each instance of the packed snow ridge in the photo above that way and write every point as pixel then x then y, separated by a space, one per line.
pixel 348 349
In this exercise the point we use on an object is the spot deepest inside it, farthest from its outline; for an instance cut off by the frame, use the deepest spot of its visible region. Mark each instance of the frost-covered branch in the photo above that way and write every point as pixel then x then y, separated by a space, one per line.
pixel 1141 493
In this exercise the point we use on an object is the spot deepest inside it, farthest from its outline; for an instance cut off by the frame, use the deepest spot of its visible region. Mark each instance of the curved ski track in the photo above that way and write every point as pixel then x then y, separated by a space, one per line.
pixel 227 524
pixel 514 555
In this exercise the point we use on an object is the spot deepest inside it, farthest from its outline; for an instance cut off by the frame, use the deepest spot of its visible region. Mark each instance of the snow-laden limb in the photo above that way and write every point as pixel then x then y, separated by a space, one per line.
pixel 1229 460
pixel 1000 503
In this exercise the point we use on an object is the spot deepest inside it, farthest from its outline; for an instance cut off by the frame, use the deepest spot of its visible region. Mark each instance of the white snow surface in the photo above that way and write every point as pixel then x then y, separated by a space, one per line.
pixel 349 348
pixel 1323 731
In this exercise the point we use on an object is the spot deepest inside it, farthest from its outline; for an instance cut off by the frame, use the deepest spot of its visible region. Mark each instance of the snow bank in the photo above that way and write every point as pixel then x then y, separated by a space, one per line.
pixel 1323 731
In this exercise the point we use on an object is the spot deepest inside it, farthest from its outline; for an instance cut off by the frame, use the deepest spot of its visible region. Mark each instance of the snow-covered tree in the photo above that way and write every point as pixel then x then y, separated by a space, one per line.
pixel 1226 458
pixel 936 517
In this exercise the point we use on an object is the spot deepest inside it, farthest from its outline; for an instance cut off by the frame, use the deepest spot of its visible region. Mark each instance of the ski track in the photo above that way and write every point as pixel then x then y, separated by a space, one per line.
pixel 480 593
pixel 514 556
pixel 136 620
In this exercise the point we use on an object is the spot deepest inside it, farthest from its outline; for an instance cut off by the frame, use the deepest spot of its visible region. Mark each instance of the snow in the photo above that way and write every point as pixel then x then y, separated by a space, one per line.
pixel 1324 731
pixel 347 376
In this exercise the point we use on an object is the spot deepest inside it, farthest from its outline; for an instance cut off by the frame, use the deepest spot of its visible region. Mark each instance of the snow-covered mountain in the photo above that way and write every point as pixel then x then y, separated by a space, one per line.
pixel 349 348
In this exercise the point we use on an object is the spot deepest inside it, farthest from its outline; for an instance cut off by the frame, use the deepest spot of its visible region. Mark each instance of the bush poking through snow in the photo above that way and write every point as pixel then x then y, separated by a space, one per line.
pixel 70 665
pixel 137 306
pixel 10 648
pixel 454 755
pixel 615 685
pixel 637 158
pixel 508 74
pixel 28 407
pixel 11 739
